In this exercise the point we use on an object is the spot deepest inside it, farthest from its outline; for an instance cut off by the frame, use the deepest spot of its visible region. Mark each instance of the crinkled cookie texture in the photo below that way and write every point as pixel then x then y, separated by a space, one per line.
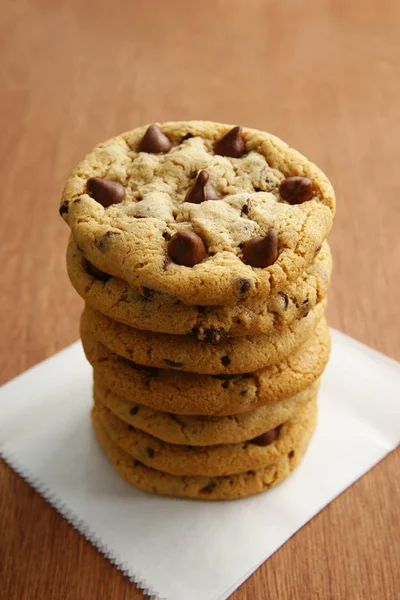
pixel 212 461
pixel 185 353
pixel 145 309
pixel 203 430
pixel 131 239
pixel 189 394
pixel 199 487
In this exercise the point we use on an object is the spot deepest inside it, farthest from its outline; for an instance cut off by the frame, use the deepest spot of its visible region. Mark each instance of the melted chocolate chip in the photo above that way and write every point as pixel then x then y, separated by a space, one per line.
pixel 296 190
pixel 245 209
pixel 266 438
pixel 209 487
pixel 225 384
pixel 63 209
pixel 202 190
pixel 186 248
pixel 232 144
pixel 261 251
pixel 187 137
pixel 96 273
pixel 244 286
pixel 148 293
pixel 150 452
pixel 226 361
pixel 285 300
pixel 154 141
pixel 211 336
pixel 134 410
pixel 105 192
pixel 103 243
pixel 173 363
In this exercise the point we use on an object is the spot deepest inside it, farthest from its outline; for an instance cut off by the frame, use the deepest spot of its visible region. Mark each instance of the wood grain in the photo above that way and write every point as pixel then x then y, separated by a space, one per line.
pixel 323 75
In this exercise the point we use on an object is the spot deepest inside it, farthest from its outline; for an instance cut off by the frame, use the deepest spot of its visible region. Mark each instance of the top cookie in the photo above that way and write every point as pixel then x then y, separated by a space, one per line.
pixel 201 211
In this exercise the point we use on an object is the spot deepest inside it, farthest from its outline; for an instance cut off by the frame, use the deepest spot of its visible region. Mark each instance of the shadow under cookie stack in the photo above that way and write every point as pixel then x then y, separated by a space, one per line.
pixel 200 251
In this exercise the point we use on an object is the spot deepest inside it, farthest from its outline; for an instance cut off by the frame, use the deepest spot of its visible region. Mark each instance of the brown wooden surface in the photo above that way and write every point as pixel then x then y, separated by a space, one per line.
pixel 325 76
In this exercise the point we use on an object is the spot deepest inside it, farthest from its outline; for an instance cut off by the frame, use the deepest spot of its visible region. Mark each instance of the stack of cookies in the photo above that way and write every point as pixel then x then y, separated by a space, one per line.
pixel 200 251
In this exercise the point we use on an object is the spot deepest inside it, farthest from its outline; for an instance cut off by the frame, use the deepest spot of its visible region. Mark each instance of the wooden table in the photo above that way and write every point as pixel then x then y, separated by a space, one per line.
pixel 324 76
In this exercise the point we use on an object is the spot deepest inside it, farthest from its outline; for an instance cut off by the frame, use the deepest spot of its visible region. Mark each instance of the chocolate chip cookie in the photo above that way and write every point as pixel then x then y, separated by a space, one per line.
pixel 213 461
pixel 199 487
pixel 203 430
pixel 146 309
pixel 189 394
pixel 206 213
pixel 185 353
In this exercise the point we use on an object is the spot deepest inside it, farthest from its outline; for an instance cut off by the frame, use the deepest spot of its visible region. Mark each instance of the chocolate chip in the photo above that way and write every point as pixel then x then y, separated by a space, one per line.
pixel 202 190
pixel 154 141
pixel 232 144
pixel 285 300
pixel 150 452
pixel 96 273
pixel 296 190
pixel 148 293
pixel 63 209
pixel 186 248
pixel 131 428
pixel 209 487
pixel 103 243
pixel 211 336
pixel 244 286
pixel 187 137
pixel 245 209
pixel 166 236
pixel 262 250
pixel 225 384
pixel 137 463
pixel 173 363
pixel 257 189
pixel 306 301
pixel 134 410
pixel 225 360
pixel 105 192
pixel 266 438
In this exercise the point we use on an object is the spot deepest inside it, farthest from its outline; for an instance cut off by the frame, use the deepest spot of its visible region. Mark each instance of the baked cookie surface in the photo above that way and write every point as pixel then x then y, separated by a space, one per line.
pixel 189 394
pixel 200 211
pixel 144 309
pixel 203 430
pixel 243 354
pixel 197 487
